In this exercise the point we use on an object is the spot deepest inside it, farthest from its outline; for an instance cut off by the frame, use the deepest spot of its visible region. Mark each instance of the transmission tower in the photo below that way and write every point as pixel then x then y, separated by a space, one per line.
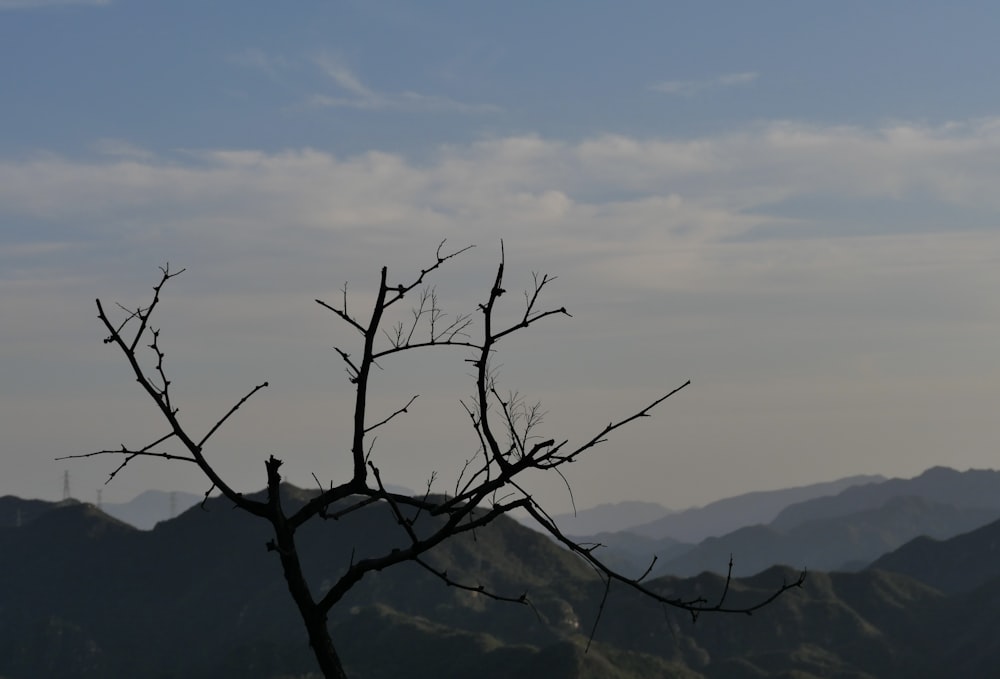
pixel 173 504
pixel 66 493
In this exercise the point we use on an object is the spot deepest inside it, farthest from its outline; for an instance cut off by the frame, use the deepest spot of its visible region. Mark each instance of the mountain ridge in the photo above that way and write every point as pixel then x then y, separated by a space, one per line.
pixel 722 516
pixel 970 488
pixel 83 596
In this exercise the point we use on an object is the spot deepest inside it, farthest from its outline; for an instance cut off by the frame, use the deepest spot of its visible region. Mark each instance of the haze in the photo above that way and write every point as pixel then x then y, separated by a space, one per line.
pixel 793 206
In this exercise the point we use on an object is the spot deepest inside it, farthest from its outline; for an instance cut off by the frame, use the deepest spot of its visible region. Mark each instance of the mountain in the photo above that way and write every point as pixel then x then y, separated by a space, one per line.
pixel 723 516
pixel 844 625
pixel 970 647
pixel 611 517
pixel 829 544
pixel 84 595
pixel 966 567
pixel 435 650
pixel 15 512
pixel 113 601
pixel 150 507
pixel 972 488
pixel 959 564
pixel 632 554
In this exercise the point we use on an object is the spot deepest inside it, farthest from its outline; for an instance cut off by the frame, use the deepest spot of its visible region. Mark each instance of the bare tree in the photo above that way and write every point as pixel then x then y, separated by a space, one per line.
pixel 489 486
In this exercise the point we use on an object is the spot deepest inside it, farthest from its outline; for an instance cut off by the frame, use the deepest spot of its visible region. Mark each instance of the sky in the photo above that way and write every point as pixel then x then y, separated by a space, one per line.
pixel 796 206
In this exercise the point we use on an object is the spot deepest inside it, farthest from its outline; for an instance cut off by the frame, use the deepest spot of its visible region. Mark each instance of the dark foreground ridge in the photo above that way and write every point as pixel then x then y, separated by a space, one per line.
pixel 84 595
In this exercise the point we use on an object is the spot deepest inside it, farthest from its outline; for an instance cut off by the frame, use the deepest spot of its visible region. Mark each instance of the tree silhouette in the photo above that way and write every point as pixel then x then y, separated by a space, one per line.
pixel 488 486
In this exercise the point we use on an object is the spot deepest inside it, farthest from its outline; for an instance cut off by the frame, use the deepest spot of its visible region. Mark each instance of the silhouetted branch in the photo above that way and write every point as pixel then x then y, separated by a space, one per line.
pixel 400 290
pixel 478 589
pixel 695 606
pixel 131 454
pixel 600 613
pixel 394 414
pixel 229 414
pixel 488 485
pixel 161 394
pixel 343 314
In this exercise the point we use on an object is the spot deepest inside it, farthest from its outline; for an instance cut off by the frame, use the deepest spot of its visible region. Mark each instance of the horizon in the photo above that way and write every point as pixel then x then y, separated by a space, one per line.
pixel 163 491
pixel 793 207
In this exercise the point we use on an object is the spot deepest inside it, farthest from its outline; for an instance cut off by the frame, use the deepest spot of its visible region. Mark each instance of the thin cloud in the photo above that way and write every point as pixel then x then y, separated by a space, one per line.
pixel 121 148
pixel 359 96
pixel 38 4
pixel 738 78
pixel 690 88
pixel 654 241
pixel 681 202
pixel 345 79
pixel 258 60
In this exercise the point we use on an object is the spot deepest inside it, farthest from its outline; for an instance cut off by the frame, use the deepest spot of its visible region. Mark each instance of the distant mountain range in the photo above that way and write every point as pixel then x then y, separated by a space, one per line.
pixel 845 530
pixel 84 595
pixel 149 508
pixel 848 542
pixel 960 564
pixel 609 518
pixel 972 488
pixel 724 516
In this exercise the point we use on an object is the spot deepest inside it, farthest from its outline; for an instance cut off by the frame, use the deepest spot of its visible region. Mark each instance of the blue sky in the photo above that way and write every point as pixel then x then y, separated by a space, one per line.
pixel 794 205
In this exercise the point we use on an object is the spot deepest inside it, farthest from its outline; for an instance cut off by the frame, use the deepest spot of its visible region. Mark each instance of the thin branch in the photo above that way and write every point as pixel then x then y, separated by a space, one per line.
pixel 232 410
pixel 612 426
pixel 393 349
pixel 649 569
pixel 695 606
pixel 120 451
pixel 160 395
pixel 205 499
pixel 144 315
pixel 488 485
pixel 343 315
pixel 450 528
pixel 402 410
pixel 401 290
pixel 478 589
pixel 352 370
pixel 131 454
pixel 600 614
pixel 407 524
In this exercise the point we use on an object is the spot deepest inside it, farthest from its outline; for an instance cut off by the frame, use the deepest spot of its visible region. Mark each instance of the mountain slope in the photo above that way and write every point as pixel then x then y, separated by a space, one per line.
pixel 632 554
pixel 829 544
pixel 610 517
pixel 958 564
pixel 83 595
pixel 724 516
pixel 972 488
pixel 16 512
pixel 150 507
pixel 838 625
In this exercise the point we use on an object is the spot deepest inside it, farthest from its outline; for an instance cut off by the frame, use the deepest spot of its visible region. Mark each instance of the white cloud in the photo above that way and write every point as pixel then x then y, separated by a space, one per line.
pixel 343 77
pixel 805 341
pixel 689 88
pixel 359 96
pixel 660 212
pixel 739 174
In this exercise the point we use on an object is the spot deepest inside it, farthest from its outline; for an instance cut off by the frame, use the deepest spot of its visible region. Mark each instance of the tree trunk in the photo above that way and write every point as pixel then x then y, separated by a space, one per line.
pixel 284 544
pixel 322 645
